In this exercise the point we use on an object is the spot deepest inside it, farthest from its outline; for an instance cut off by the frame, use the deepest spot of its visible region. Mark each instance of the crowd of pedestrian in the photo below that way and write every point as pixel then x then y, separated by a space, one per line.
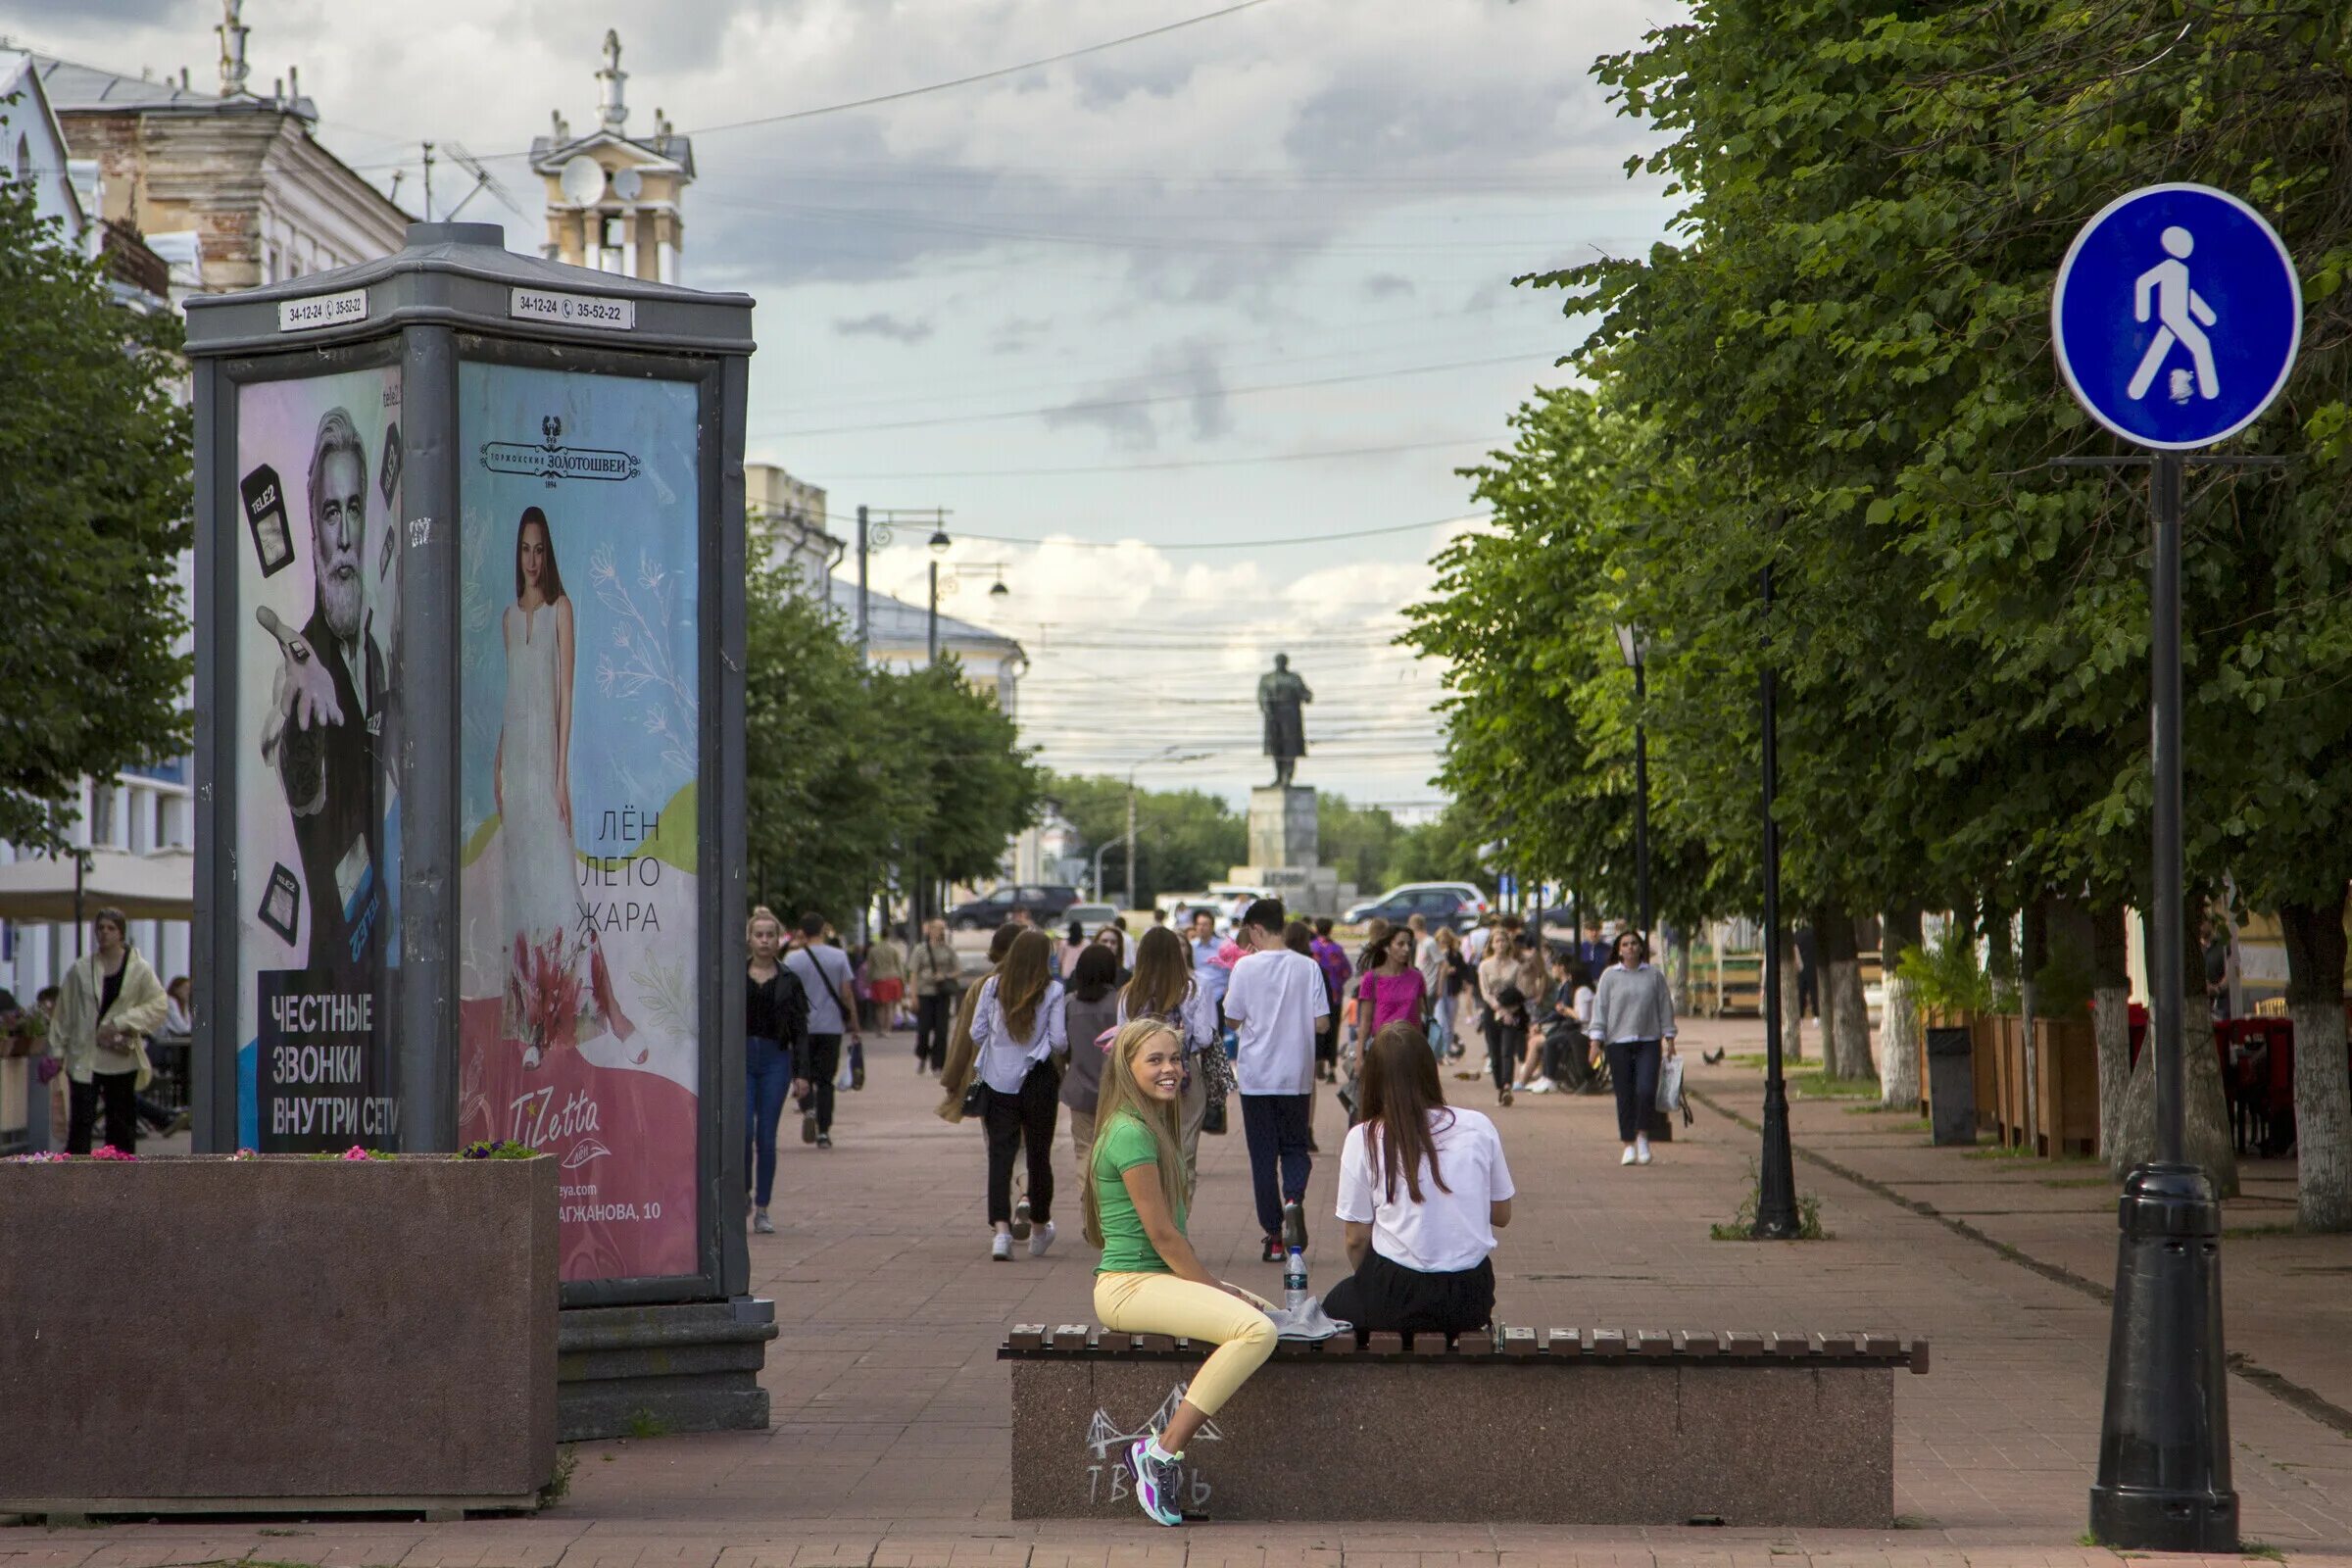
pixel 1148 1044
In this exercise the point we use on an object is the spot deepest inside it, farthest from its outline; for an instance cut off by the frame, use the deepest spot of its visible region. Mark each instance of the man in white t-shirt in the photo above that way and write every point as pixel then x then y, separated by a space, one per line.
pixel 1273 1000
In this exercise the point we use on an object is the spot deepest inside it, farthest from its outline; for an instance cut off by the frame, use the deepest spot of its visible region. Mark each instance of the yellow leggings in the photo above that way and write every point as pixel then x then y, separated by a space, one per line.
pixel 1163 1303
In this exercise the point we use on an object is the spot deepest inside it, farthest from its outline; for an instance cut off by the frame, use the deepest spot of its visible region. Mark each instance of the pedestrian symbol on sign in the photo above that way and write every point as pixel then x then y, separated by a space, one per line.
pixel 2176 315
pixel 2176 303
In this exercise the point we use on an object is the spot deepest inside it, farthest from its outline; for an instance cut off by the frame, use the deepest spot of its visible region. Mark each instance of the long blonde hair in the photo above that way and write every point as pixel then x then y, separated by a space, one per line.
pixel 1120 1094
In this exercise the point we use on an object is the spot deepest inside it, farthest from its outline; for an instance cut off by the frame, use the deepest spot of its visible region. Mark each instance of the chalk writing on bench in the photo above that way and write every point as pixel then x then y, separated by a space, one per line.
pixel 1107 1445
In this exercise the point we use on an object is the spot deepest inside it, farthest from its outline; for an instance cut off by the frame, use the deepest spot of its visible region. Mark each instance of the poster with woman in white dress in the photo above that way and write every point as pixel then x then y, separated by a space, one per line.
pixel 579 544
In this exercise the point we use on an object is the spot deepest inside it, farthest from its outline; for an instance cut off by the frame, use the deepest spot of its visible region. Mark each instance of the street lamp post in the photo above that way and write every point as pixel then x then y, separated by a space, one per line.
pixel 1636 648
pixel 1166 754
pixel 1775 1175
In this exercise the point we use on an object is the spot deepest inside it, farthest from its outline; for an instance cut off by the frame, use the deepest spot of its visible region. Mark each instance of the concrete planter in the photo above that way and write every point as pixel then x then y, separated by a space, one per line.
pixel 209 1335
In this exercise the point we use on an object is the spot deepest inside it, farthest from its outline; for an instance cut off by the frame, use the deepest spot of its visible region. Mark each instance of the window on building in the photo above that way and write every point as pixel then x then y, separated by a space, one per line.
pixel 102 815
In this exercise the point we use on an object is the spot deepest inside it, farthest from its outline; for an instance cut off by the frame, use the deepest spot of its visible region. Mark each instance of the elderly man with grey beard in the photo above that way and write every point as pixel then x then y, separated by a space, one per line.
pixel 320 733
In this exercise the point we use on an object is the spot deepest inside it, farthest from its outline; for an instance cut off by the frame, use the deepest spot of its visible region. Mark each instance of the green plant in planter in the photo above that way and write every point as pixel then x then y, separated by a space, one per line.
pixel 1946 977
pixel 506 1149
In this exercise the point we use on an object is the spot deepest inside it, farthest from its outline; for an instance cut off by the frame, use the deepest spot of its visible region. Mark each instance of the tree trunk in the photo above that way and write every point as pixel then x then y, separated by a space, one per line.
pixel 2315 999
pixel 1899 1088
pixel 1844 1016
pixel 1792 1027
pixel 2205 1115
pixel 2111 1022
pixel 2001 957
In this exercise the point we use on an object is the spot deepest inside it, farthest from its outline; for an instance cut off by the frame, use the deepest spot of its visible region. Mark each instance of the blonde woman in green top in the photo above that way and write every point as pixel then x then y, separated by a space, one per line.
pixel 1149 1282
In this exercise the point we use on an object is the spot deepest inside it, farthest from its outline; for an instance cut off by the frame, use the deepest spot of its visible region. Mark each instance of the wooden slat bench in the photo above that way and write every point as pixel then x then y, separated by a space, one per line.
pixel 1589 1426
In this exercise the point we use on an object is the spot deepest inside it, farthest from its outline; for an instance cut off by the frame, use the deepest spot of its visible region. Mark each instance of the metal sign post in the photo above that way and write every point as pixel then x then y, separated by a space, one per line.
pixel 2176 318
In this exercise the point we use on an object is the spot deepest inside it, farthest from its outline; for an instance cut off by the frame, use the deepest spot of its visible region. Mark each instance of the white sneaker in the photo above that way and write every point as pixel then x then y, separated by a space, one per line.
pixel 1518 1089
pixel 1000 1248
pixel 1542 1086
pixel 1040 1239
pixel 763 1224
pixel 1641 1152
pixel 1627 1158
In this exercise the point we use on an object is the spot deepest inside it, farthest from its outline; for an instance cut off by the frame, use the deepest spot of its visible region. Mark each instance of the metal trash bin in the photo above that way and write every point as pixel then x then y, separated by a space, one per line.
pixel 1952 1086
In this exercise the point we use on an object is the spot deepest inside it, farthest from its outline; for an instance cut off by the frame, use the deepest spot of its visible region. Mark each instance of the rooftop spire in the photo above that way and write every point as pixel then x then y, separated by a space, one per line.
pixel 614 110
pixel 232 31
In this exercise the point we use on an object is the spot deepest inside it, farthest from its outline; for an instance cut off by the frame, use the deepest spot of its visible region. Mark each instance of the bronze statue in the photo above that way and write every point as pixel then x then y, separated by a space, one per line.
pixel 1279 696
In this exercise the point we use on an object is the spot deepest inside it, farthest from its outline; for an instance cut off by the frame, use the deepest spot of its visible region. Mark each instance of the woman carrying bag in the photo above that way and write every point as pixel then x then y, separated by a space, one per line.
pixel 1018 1028
pixel 1632 1018
pixel 111 1003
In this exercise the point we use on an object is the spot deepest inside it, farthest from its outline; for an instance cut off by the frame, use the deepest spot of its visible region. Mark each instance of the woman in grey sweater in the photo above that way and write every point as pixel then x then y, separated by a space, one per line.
pixel 1632 1019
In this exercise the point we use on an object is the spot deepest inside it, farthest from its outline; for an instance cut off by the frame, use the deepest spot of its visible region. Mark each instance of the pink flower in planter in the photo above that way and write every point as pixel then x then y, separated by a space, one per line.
pixel 246 1154
pixel 355 1151
pixel 110 1151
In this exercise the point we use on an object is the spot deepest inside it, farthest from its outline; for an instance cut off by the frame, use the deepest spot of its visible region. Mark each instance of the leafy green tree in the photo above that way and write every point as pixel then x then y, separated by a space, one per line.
pixel 857 777
pixel 1189 837
pixel 94 487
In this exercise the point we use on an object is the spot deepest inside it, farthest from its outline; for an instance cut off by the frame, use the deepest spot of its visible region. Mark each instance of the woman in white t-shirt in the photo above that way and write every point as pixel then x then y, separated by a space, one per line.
pixel 1423 1188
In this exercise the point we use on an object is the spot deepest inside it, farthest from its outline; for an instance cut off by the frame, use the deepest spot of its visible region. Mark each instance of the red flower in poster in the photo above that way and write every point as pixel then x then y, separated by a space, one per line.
pixel 543 995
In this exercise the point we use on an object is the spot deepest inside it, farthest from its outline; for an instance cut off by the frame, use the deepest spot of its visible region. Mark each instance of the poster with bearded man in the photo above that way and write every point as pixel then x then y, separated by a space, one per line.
pixel 318 486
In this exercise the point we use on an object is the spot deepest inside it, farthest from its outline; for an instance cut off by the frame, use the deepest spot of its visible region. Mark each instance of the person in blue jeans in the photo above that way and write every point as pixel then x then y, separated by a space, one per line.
pixel 775 1027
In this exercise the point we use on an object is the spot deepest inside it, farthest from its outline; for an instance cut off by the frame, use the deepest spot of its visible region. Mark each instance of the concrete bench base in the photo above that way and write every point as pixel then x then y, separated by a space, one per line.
pixel 1576 1428
pixel 635 1371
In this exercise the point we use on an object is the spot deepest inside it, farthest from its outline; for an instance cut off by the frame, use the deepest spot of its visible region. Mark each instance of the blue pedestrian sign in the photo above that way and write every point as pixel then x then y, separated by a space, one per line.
pixel 2177 316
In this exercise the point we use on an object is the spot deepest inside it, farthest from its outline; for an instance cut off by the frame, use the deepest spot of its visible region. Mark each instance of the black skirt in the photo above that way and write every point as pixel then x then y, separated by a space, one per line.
pixel 1385 1296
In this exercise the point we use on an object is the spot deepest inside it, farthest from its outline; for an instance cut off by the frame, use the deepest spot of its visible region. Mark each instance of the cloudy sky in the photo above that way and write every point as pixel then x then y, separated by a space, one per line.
pixel 1172 308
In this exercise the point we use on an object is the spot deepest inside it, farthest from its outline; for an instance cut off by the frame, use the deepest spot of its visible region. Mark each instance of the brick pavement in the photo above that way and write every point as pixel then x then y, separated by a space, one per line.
pixel 888 1444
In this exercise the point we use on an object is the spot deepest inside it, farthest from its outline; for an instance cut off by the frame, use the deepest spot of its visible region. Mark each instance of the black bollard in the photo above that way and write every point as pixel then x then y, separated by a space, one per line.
pixel 2164 1445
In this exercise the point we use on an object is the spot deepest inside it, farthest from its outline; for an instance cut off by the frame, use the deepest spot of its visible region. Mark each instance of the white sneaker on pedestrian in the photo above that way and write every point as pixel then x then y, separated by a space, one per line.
pixel 1040 1239
pixel 999 1248
pixel 762 1225
pixel 1627 1158
pixel 1641 1151
pixel 1542 1086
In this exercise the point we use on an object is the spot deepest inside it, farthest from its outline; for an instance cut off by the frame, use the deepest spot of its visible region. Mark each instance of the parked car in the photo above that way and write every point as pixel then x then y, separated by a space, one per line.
pixel 1091 917
pixel 1043 901
pixel 1454 904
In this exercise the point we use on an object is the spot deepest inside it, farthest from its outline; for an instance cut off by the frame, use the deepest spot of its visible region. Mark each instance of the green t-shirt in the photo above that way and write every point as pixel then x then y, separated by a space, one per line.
pixel 1119 1148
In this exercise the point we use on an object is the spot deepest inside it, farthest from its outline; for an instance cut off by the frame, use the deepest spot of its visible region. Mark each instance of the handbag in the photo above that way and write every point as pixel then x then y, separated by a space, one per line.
pixel 1670 1084
pixel 46 1068
pixel 1212 1119
pixel 975 1097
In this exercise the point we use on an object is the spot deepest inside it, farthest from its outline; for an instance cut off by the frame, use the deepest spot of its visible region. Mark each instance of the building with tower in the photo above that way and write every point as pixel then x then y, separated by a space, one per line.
pixel 612 199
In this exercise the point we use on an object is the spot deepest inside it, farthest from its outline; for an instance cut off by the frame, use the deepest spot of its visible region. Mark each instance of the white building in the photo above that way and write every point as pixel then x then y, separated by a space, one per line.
pixel 614 202
pixel 898 636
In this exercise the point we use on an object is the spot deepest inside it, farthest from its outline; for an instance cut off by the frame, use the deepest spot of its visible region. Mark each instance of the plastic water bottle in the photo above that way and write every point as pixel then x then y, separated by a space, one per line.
pixel 1293 1259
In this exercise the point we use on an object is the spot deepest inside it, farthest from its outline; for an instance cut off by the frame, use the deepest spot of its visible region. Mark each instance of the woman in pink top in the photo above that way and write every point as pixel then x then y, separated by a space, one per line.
pixel 1393 991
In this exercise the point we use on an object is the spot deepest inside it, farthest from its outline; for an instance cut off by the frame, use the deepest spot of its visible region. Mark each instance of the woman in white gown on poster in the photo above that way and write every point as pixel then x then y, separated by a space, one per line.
pixel 550 931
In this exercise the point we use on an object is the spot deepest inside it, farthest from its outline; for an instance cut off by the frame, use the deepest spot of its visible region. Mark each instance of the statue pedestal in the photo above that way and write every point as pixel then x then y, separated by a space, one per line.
pixel 1283 831
pixel 1284 849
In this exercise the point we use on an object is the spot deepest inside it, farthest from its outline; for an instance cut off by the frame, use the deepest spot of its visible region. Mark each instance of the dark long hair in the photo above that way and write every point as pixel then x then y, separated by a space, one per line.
pixel 1163 974
pixel 552 586
pixel 1021 984
pixel 1400 1086
pixel 1095 974
pixel 1299 936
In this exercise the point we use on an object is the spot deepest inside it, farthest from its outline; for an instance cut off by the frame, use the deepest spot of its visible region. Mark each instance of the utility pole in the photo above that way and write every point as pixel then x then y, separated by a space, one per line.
pixel 429 181
pixel 1129 842
pixel 863 544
